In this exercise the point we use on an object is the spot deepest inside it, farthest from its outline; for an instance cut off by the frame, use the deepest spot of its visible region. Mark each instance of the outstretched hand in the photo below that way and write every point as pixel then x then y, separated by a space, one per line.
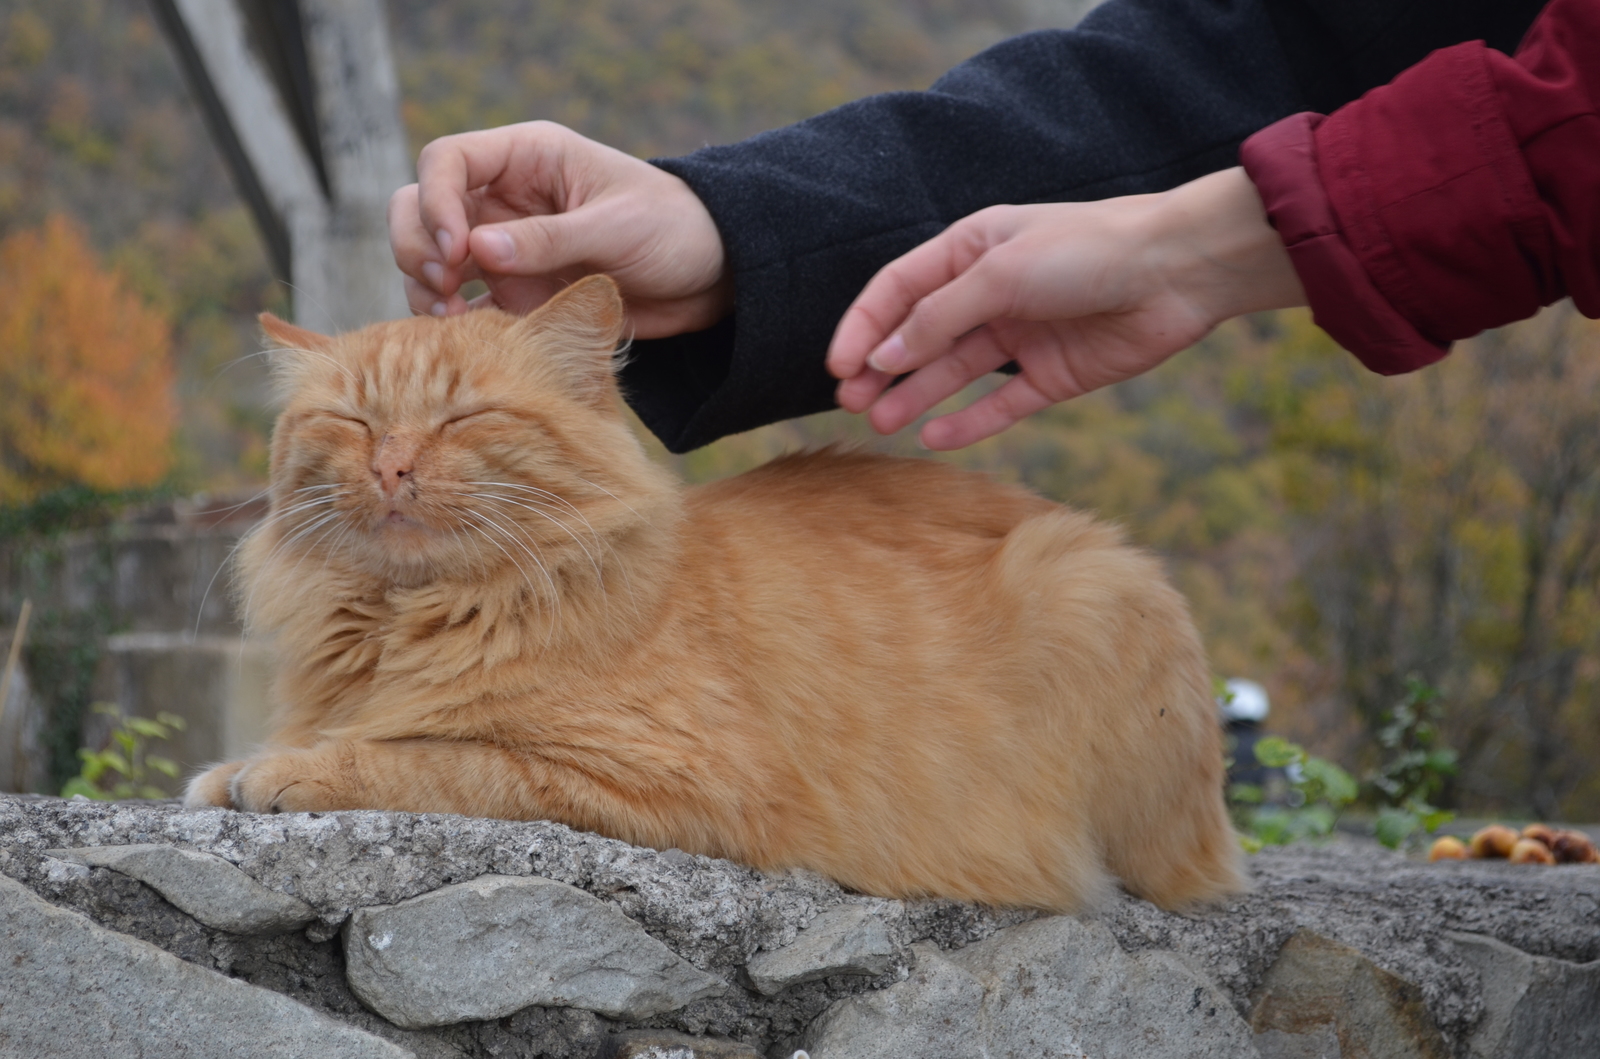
pixel 530 208
pixel 1078 295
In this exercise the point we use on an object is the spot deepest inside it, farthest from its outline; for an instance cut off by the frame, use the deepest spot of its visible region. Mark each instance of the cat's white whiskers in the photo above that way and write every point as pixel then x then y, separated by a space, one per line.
pixel 594 562
pixel 550 631
pixel 333 517
pixel 274 519
pixel 289 542
pixel 555 591
pixel 600 541
pixel 618 499
pixel 200 611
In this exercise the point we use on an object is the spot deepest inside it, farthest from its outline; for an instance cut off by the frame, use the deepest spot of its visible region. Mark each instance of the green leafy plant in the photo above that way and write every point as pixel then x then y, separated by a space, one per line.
pixel 1414 769
pixel 1317 791
pixel 122 769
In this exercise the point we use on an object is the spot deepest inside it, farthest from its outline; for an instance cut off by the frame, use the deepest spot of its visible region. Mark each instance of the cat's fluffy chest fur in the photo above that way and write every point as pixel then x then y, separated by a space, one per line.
pixel 488 601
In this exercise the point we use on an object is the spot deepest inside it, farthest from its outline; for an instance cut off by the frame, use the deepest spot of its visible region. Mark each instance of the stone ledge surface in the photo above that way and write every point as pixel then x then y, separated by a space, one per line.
pixel 73 988
pixel 730 923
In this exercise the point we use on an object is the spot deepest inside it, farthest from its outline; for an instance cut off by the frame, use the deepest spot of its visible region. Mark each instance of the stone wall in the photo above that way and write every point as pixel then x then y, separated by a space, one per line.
pixel 145 929
pixel 139 614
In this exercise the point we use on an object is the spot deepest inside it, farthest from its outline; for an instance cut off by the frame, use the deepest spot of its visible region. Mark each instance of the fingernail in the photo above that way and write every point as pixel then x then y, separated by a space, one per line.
pixel 442 237
pixel 890 356
pixel 439 309
pixel 433 272
pixel 497 246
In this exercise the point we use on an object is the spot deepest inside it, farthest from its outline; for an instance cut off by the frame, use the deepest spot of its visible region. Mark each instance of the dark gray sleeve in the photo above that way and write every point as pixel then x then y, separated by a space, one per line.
pixel 1141 96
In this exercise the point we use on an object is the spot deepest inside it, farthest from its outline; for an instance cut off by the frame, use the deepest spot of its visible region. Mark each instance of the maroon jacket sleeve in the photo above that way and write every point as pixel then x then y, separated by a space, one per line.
pixel 1463 195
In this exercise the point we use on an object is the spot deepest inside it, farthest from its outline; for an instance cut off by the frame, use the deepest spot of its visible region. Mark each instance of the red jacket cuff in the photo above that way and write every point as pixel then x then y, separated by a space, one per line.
pixel 1281 160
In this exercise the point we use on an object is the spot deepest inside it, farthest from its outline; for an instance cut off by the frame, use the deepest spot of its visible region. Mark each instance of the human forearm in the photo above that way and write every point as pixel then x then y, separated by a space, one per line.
pixel 1078 295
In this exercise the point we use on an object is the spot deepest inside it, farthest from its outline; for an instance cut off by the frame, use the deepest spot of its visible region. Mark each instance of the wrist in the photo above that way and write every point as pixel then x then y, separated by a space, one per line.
pixel 1220 251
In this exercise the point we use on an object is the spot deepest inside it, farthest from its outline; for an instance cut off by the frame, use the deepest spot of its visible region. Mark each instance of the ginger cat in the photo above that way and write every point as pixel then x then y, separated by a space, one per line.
pixel 488 600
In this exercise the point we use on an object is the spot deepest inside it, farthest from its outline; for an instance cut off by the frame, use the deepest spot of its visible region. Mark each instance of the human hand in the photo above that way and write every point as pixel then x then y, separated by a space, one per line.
pixel 1079 295
pixel 530 208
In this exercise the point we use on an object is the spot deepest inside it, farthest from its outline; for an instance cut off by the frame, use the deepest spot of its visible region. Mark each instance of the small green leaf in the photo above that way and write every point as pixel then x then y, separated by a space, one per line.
pixel 147 728
pixel 1246 794
pixel 1394 825
pixel 1276 752
pixel 78 785
pixel 172 720
pixel 163 765
pixel 1317 821
pixel 1338 786
pixel 1249 843
pixel 1442 760
pixel 94 766
pixel 1433 821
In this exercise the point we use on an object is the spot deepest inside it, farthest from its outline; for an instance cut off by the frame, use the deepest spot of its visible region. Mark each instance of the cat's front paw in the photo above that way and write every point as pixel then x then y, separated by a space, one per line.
pixel 212 788
pixel 296 781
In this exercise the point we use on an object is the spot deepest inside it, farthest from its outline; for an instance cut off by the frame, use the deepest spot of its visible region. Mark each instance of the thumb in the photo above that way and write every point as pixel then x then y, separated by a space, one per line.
pixel 534 246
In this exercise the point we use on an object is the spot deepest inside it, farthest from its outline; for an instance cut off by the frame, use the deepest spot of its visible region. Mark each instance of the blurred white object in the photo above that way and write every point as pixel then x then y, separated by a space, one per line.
pixel 1243 700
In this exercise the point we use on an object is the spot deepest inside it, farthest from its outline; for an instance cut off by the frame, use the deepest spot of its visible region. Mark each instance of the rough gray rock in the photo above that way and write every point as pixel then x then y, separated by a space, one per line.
pixel 1396 912
pixel 486 948
pixel 719 916
pixel 73 989
pixel 208 888
pixel 1533 1005
pixel 1054 987
pixel 1320 1043
pixel 663 1044
pixel 1316 984
pixel 848 939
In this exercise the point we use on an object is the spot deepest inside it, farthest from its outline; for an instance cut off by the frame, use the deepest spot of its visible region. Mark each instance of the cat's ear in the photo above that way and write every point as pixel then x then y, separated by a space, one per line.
pixel 284 335
pixel 578 330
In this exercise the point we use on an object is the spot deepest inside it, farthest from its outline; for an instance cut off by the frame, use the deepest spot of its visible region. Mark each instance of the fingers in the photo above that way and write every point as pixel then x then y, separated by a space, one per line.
pixel 447 170
pixel 985 417
pixel 425 301
pixel 916 307
pixel 857 394
pixel 540 246
pixel 430 221
pixel 416 254
pixel 890 297
pixel 973 357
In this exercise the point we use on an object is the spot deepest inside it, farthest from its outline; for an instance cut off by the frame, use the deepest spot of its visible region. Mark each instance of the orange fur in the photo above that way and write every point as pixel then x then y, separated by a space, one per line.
pixel 902 675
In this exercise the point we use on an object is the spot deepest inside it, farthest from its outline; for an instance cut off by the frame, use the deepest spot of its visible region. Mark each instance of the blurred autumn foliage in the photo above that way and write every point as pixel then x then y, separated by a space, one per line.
pixel 85 383
pixel 1336 532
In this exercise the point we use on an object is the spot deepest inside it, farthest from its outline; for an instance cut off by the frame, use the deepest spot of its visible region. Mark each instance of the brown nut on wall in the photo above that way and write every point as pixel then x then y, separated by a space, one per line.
pixel 1574 847
pixel 1531 851
pixel 1541 833
pixel 1495 840
pixel 1447 847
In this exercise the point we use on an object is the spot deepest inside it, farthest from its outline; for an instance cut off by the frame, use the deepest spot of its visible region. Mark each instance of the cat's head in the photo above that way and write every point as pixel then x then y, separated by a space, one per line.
pixel 482 443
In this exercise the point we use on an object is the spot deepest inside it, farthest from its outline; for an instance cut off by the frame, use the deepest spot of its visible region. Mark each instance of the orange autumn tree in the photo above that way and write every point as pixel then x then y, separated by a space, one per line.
pixel 85 377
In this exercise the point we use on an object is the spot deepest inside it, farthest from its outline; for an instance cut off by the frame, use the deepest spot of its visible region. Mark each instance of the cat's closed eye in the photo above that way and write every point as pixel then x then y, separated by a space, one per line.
pixel 340 417
pixel 472 417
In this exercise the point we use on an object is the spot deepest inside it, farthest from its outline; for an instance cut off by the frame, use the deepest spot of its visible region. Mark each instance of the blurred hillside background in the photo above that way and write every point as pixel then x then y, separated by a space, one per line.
pixel 1336 533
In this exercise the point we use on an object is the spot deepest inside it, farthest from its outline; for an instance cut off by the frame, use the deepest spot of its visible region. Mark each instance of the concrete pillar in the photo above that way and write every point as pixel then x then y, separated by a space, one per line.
pixel 309 124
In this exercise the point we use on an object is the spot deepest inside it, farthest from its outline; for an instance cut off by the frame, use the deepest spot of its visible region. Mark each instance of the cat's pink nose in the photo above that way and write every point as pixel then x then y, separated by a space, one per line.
pixel 394 462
